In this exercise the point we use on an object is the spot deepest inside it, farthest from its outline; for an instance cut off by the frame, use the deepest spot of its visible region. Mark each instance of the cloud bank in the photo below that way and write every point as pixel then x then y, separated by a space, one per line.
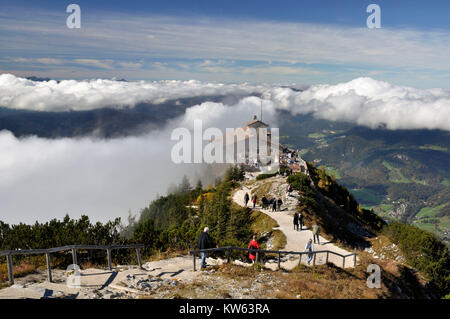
pixel 367 102
pixel 363 101
pixel 20 93
pixel 43 179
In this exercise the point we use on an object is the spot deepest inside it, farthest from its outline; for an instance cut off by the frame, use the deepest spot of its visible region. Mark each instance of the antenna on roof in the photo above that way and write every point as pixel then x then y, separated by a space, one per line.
pixel 261 111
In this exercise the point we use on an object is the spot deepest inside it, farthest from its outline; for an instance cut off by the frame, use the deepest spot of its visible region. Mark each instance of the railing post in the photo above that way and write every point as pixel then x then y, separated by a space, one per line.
pixel 314 259
pixel 354 258
pixel 257 257
pixel 193 255
pixel 138 254
pixel 279 260
pixel 326 261
pixel 49 268
pixel 74 256
pixel 10 269
pixel 300 260
pixel 108 253
pixel 229 255
pixel 343 262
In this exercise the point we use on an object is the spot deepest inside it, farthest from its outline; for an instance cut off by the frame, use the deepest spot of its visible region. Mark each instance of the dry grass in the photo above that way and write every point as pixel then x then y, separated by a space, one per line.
pixel 320 282
pixel 262 190
pixel 20 270
pixel 262 223
pixel 279 240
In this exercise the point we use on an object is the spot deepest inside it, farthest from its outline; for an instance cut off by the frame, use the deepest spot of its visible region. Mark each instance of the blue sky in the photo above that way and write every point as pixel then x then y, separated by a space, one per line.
pixel 303 42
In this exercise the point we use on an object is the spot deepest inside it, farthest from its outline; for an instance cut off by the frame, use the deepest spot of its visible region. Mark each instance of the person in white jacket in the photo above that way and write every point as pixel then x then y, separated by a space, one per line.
pixel 309 248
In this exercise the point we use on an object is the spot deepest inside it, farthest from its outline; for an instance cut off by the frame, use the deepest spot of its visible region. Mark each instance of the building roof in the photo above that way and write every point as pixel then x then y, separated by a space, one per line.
pixel 255 121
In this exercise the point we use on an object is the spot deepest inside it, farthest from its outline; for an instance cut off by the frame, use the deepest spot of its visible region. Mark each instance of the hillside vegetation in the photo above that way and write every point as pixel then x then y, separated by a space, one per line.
pixel 332 206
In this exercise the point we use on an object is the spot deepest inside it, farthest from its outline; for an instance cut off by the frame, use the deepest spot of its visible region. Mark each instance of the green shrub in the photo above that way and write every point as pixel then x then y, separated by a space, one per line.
pixel 423 251
pixel 264 176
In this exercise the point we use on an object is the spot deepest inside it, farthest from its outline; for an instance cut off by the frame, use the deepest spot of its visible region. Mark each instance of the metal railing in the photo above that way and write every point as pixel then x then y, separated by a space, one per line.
pixel 73 248
pixel 256 252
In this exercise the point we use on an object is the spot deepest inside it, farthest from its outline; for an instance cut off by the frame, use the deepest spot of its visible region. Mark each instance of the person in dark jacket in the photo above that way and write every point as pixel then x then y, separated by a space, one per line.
pixel 246 199
pixel 204 242
pixel 279 203
pixel 296 221
pixel 274 205
pixel 264 202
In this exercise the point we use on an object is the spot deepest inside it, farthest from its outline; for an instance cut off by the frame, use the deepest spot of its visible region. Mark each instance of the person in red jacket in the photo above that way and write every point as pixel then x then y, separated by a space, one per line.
pixel 253 245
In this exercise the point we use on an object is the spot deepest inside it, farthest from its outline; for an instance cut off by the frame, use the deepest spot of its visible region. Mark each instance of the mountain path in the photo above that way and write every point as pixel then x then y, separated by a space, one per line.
pixel 295 240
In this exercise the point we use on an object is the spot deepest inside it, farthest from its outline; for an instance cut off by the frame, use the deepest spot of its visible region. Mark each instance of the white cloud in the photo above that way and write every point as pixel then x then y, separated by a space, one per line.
pixel 372 103
pixel 66 95
pixel 363 101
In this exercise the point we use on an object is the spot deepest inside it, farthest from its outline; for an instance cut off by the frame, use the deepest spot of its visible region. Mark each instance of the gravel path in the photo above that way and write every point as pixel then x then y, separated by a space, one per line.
pixel 295 240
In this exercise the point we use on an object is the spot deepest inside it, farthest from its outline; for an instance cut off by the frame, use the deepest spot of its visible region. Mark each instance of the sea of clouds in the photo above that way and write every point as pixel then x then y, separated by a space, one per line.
pixel 362 101
pixel 42 178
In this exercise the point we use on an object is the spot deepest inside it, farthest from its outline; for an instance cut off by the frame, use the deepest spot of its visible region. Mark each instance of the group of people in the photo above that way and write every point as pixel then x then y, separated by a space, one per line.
pixel 205 242
pixel 273 204
pixel 247 198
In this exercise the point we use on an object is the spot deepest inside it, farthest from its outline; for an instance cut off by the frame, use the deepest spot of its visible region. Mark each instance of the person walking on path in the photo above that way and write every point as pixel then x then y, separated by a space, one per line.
pixel 253 245
pixel 316 231
pixel 264 202
pixel 246 199
pixel 254 198
pixel 296 221
pixel 279 203
pixel 300 221
pixel 204 242
pixel 310 249
pixel 274 205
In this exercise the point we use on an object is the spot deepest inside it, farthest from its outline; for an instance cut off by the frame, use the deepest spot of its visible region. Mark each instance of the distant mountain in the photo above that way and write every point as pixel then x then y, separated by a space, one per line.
pixel 38 79
pixel 402 174
pixel 106 122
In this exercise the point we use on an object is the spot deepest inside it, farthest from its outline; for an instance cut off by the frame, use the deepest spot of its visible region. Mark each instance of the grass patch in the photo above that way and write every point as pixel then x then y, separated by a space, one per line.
pixel 395 175
pixel 262 223
pixel 279 240
pixel 433 147
pixel 20 270
pixel 262 190
pixel 316 135
pixel 446 182
pixel 266 175
pixel 332 170
pixel 429 211
pixel 302 152
pixel 366 196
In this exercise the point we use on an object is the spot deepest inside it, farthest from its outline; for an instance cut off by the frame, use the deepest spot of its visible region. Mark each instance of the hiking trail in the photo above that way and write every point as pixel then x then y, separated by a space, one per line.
pixel 295 240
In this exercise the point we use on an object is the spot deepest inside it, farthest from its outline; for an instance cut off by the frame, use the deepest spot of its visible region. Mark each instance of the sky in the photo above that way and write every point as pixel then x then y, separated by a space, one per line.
pixel 283 42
